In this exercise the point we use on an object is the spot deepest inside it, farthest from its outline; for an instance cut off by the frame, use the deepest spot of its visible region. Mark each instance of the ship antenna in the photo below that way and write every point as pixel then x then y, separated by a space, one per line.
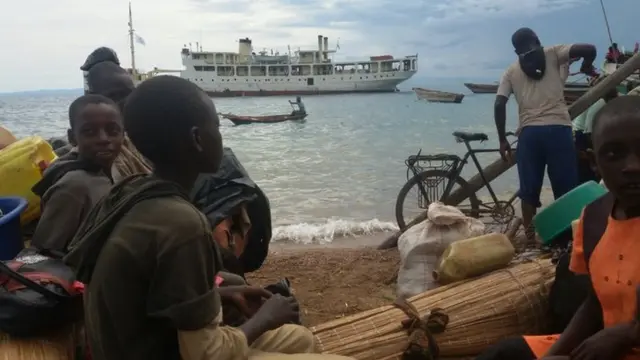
pixel 131 44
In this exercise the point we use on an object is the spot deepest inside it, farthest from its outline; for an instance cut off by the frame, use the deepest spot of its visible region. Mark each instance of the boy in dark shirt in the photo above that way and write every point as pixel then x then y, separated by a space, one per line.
pixel 147 254
pixel 75 182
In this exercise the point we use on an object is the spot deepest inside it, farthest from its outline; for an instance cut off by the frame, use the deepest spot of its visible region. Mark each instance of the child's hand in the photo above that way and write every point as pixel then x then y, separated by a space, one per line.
pixel 277 311
pixel 243 297
pixel 610 343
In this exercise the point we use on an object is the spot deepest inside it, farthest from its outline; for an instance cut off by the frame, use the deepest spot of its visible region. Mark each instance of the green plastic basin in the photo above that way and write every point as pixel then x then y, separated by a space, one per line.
pixel 557 217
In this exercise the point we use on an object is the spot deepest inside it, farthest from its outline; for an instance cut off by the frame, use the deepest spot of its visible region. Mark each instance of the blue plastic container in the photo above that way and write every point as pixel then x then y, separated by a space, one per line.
pixel 10 232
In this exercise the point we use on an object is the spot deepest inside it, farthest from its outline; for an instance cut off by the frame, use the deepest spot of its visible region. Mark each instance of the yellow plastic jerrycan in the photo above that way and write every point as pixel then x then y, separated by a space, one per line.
pixel 21 166
pixel 6 138
pixel 475 256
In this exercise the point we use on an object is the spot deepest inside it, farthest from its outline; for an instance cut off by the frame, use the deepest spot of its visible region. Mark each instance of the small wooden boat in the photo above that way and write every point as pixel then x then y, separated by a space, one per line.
pixel 482 88
pixel 493 88
pixel 571 95
pixel 267 119
pixel 438 96
pixel 576 86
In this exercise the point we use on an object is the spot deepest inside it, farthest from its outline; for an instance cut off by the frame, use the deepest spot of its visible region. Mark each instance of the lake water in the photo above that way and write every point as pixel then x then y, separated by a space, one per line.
pixel 337 173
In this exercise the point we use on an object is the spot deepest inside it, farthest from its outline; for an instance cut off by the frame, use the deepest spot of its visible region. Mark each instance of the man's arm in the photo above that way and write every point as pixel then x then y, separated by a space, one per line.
pixel 586 322
pixel 505 90
pixel 183 292
pixel 587 52
pixel 566 53
pixel 500 116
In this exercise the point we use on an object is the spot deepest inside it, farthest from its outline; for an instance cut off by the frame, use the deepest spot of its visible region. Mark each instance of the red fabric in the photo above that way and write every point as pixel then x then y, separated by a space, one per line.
pixel 78 286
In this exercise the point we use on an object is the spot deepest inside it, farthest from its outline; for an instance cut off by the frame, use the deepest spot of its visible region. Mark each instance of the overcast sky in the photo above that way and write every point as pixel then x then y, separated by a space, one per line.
pixel 44 42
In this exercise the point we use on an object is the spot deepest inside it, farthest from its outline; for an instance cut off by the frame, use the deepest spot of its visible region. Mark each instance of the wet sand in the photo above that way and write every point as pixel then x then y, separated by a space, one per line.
pixel 333 280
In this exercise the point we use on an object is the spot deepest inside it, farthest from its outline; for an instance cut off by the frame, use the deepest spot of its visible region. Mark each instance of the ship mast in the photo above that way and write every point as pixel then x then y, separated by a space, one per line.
pixel 134 73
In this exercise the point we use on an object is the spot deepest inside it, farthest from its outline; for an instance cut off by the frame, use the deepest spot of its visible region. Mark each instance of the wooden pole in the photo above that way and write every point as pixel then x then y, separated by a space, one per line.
pixel 498 167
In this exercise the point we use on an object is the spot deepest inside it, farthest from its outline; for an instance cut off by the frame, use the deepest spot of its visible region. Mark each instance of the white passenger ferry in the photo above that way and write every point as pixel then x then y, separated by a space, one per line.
pixel 306 72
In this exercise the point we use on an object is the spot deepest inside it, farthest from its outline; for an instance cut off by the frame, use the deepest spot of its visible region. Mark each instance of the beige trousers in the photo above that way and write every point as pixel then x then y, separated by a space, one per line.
pixel 288 342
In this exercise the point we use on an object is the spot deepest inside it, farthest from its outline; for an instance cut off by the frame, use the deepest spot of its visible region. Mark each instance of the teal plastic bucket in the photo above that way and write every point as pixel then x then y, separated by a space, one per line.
pixel 557 217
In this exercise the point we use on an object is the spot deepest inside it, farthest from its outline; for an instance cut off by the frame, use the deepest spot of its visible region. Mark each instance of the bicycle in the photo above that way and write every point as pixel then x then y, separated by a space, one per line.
pixel 431 171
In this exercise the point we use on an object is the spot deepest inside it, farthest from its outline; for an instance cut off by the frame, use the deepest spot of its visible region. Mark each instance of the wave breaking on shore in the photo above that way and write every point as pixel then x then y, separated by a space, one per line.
pixel 305 233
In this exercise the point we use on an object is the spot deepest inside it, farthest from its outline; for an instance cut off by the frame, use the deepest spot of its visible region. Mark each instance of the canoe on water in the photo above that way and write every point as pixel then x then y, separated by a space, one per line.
pixel 438 96
pixel 267 119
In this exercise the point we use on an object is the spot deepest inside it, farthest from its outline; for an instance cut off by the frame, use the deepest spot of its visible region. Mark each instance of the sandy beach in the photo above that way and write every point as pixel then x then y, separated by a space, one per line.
pixel 345 277
pixel 331 281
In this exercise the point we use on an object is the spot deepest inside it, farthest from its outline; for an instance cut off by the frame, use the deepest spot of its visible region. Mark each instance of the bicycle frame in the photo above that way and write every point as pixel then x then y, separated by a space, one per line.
pixel 459 165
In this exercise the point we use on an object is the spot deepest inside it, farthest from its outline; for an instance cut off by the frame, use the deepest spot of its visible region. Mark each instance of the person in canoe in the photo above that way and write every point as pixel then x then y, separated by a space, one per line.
pixel 75 182
pixel 545 138
pixel 147 254
pixel 298 107
pixel 605 248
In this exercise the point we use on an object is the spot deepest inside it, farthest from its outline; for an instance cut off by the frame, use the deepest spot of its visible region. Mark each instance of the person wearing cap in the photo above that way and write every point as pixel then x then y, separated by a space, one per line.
pixel 104 76
pixel 545 138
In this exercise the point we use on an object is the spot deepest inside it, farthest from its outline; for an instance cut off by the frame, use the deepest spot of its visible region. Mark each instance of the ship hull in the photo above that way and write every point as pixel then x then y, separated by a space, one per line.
pixel 299 85
pixel 240 93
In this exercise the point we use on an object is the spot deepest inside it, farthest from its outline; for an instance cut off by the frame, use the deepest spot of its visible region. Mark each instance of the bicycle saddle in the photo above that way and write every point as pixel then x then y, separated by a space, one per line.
pixel 467 136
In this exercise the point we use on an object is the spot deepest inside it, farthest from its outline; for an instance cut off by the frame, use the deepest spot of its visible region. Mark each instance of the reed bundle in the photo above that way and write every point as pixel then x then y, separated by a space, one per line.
pixel 130 161
pixel 481 312
pixel 60 346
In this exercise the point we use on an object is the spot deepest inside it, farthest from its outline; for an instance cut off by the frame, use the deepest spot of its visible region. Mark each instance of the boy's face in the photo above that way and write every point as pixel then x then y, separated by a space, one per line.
pixel 98 133
pixel 617 155
pixel 208 140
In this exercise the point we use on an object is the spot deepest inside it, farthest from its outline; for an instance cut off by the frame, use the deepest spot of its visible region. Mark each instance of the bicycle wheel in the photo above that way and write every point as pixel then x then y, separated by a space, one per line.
pixel 434 183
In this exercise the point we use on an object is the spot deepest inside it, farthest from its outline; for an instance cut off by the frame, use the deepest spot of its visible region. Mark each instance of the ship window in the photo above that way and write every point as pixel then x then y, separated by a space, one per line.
pixel 323 79
pixel 288 79
pixel 198 68
pixel 310 81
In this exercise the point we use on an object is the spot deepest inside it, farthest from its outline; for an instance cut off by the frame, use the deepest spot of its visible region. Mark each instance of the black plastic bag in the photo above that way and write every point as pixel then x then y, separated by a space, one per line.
pixel 218 195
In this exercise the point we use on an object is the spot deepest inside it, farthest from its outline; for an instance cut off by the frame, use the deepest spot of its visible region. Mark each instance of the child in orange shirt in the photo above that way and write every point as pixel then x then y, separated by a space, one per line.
pixel 605 247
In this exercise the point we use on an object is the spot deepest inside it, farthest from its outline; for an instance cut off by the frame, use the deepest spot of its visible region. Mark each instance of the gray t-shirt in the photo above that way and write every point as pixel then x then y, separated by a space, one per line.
pixel 540 102
pixel 65 205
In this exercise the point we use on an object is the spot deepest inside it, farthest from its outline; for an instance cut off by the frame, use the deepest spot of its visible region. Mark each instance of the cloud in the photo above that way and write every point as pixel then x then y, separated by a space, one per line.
pixel 45 42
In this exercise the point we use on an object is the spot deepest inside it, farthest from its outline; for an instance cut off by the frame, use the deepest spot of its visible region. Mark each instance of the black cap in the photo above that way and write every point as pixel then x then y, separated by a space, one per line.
pixel 98 55
pixel 523 38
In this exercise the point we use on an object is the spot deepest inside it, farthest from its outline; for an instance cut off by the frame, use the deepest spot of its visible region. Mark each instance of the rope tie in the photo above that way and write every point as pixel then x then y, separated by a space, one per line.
pixel 421 344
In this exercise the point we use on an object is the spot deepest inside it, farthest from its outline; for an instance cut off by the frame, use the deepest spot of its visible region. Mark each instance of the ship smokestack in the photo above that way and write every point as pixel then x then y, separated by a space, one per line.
pixel 326 48
pixel 320 48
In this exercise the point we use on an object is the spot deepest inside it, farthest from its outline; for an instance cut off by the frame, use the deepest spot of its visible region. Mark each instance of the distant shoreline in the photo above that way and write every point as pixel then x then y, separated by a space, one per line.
pixel 42 92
